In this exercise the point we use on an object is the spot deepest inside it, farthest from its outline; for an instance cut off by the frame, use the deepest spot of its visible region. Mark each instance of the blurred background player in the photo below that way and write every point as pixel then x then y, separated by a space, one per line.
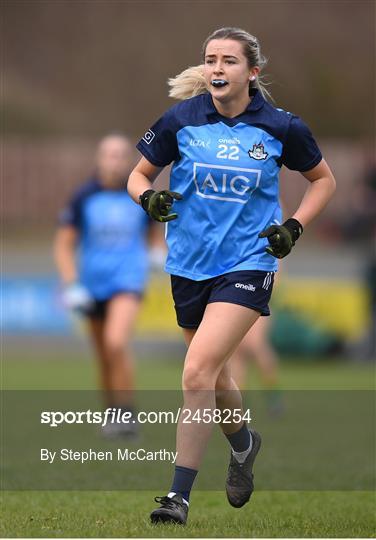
pixel 101 253
pixel 257 348
pixel 359 228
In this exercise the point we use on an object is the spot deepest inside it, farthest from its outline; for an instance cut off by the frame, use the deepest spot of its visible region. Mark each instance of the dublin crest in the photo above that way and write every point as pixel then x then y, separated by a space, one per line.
pixel 258 152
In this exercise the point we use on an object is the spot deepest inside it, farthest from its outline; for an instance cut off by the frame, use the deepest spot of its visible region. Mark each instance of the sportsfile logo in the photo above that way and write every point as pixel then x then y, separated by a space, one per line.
pixel 225 183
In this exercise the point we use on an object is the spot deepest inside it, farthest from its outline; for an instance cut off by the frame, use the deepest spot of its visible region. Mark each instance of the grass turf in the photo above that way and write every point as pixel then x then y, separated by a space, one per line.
pixel 110 514
pixel 53 368
pixel 125 514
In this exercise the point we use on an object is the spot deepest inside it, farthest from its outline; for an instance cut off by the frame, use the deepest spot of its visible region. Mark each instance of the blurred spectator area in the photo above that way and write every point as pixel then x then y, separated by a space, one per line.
pixel 39 176
pixel 72 71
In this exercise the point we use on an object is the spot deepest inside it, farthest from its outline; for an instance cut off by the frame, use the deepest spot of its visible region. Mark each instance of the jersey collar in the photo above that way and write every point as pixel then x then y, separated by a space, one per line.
pixel 256 103
pixel 95 178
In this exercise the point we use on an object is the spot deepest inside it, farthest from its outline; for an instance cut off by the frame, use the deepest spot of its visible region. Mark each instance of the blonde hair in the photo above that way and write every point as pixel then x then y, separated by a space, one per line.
pixel 191 82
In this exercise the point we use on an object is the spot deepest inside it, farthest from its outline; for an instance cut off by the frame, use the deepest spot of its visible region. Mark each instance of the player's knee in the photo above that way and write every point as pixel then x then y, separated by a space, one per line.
pixel 197 378
pixel 114 347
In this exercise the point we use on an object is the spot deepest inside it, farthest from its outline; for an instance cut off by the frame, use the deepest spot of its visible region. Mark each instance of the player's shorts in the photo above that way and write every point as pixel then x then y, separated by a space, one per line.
pixel 249 288
pixel 99 308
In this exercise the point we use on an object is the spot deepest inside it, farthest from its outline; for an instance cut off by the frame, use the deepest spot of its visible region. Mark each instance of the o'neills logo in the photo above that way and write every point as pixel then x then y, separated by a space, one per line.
pixel 248 287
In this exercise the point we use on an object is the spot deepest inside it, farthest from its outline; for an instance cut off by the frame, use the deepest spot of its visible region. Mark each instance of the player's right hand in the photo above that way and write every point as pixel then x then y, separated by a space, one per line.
pixel 282 237
pixel 157 204
pixel 77 298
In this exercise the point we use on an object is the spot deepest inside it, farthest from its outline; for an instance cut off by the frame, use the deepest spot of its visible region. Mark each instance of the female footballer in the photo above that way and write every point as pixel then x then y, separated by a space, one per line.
pixel 224 234
pixel 256 343
pixel 105 282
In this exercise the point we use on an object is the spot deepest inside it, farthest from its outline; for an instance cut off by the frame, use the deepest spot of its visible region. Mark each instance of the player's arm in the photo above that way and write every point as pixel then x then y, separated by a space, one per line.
pixel 321 188
pixel 157 204
pixel 64 250
pixel 141 178
pixel 157 246
pixel 75 296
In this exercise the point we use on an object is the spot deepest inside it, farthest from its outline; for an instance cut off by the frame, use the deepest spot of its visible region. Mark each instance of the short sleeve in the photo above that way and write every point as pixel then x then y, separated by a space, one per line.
pixel 300 151
pixel 71 213
pixel 159 144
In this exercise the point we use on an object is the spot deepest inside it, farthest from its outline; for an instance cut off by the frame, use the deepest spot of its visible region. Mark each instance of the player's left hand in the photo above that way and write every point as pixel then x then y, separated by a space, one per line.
pixel 282 237
pixel 157 259
pixel 157 204
pixel 77 298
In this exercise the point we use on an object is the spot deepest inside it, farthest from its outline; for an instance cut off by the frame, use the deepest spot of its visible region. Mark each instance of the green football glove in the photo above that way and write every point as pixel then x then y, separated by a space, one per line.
pixel 282 237
pixel 157 204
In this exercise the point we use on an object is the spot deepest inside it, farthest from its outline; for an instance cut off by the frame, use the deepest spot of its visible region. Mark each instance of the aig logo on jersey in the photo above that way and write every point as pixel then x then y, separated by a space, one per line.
pixel 231 184
pixel 258 152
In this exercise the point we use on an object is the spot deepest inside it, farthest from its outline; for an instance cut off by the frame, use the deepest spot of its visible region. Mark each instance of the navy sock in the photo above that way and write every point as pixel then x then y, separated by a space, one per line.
pixel 183 481
pixel 240 440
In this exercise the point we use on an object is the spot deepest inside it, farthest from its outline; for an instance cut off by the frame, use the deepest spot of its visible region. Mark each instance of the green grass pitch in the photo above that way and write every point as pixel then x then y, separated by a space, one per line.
pixel 125 514
pixel 114 514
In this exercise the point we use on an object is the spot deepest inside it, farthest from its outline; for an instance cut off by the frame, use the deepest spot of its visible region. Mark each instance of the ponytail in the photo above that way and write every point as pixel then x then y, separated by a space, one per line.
pixel 189 83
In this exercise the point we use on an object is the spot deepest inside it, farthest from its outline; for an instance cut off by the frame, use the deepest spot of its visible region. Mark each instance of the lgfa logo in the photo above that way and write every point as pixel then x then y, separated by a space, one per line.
pixel 258 152
pixel 200 143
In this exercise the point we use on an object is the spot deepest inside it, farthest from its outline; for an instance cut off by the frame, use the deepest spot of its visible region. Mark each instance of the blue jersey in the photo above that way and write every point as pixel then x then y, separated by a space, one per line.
pixel 112 240
pixel 227 170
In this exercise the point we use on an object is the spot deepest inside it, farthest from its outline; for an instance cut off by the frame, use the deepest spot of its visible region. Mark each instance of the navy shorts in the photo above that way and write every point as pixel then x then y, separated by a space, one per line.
pixel 249 288
pixel 99 308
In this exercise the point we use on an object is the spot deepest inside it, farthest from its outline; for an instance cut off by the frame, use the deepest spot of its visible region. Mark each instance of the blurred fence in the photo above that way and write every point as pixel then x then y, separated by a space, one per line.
pixel 39 176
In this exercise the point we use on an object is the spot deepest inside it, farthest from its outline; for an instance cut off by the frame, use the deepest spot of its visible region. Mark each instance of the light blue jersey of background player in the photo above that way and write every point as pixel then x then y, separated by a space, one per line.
pixel 112 248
